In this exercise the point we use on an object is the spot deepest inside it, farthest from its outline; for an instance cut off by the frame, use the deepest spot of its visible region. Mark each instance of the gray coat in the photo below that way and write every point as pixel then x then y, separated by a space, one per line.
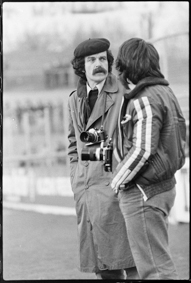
pixel 103 242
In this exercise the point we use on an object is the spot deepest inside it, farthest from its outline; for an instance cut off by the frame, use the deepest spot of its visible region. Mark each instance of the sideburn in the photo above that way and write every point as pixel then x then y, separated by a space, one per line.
pixel 123 80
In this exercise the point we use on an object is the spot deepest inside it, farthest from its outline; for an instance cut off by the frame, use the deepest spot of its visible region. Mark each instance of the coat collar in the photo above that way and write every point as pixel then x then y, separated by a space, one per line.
pixel 149 81
pixel 110 86
pixel 100 107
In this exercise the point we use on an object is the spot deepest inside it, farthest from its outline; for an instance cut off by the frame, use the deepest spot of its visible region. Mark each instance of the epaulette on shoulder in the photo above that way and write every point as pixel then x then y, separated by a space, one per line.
pixel 72 92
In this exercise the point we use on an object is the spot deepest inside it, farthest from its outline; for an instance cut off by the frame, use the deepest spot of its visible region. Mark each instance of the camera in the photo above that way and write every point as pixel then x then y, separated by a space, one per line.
pixel 93 136
pixel 103 153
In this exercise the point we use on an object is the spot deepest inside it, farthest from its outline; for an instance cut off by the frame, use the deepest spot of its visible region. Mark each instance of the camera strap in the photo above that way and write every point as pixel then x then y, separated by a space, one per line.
pixel 104 107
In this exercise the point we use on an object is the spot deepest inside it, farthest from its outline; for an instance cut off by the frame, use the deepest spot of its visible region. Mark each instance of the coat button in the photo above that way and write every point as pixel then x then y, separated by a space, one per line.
pixel 107 183
pixel 86 163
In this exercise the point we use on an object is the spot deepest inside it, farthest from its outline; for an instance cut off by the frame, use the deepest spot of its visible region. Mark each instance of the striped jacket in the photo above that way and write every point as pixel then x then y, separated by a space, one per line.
pixel 151 139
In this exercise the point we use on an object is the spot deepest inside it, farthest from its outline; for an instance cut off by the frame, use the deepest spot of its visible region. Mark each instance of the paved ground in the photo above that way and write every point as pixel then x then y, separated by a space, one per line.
pixel 44 246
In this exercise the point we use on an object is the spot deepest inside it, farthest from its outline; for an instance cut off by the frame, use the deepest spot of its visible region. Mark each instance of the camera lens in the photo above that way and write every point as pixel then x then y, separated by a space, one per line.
pixel 88 155
pixel 85 155
pixel 88 137
pixel 85 137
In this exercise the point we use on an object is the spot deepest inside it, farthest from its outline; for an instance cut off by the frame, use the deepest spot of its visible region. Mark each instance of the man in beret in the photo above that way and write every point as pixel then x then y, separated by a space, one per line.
pixel 103 243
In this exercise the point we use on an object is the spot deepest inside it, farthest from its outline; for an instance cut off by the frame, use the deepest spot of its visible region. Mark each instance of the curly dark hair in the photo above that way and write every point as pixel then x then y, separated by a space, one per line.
pixel 78 64
pixel 137 59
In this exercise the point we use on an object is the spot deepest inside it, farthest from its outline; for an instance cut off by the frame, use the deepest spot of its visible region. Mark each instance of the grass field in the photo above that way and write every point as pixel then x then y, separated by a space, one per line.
pixel 44 246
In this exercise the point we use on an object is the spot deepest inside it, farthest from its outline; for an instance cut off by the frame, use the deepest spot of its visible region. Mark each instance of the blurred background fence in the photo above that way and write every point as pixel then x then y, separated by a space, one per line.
pixel 35 164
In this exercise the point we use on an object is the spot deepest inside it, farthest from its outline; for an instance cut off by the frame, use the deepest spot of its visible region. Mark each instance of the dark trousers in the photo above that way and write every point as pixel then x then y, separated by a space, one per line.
pixel 129 273
pixel 111 274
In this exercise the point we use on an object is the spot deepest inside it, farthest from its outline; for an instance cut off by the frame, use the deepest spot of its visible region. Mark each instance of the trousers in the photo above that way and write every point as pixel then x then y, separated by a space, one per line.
pixel 129 273
pixel 147 230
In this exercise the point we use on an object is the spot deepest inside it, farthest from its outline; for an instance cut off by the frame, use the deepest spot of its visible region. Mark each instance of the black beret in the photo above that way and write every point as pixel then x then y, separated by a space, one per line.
pixel 91 46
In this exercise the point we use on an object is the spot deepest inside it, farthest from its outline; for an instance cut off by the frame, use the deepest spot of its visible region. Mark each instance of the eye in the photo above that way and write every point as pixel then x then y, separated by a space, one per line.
pixel 90 59
pixel 102 59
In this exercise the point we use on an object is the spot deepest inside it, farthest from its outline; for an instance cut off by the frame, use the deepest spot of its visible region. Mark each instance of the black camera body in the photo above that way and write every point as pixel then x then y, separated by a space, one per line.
pixel 103 153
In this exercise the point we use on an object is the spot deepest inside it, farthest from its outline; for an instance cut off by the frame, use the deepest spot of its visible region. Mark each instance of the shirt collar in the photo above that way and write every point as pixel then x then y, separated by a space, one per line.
pixel 98 86
pixel 111 85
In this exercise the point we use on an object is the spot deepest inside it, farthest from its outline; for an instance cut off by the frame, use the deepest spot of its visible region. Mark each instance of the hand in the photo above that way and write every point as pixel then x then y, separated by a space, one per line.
pixel 115 189
pixel 126 118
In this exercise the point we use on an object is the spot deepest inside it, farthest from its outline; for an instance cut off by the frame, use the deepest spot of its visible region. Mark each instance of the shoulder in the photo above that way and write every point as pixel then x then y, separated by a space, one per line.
pixel 72 92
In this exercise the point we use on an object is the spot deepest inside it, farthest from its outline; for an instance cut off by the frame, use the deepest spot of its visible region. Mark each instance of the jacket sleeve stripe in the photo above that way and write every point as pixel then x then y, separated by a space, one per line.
pixel 140 152
pixel 119 127
pixel 148 128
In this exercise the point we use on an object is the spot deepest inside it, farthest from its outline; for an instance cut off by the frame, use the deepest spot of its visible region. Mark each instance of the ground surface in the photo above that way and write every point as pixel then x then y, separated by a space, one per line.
pixel 44 246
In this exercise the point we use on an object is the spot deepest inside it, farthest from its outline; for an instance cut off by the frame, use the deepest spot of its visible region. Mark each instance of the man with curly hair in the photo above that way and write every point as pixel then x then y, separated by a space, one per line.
pixel 103 242
pixel 150 149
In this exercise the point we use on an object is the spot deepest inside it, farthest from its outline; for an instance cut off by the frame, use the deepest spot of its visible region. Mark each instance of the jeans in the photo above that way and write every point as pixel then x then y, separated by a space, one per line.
pixel 147 230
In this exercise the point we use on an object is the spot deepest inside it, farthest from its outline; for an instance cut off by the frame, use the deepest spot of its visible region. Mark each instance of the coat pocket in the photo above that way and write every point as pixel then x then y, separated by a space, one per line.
pixel 181 142
pixel 161 167
pixel 73 168
pixel 158 169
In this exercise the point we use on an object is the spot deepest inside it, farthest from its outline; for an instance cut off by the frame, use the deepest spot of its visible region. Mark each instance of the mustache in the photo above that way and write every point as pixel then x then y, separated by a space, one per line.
pixel 98 70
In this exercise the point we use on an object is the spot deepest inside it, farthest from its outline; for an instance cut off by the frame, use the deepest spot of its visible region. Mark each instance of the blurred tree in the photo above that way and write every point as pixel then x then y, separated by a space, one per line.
pixel 79 36
pixel 94 7
pixel 155 16
pixel 38 10
pixel 33 41
pixel 149 16
pixel 8 11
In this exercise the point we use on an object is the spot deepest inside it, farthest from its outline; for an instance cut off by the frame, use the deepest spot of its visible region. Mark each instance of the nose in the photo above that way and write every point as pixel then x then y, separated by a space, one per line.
pixel 97 63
